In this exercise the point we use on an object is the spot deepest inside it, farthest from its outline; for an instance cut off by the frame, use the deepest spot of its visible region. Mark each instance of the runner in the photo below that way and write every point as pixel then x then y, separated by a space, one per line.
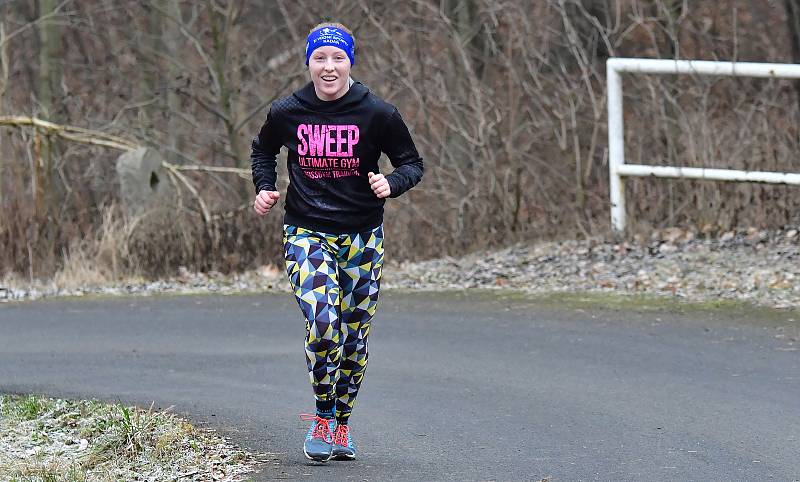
pixel 335 130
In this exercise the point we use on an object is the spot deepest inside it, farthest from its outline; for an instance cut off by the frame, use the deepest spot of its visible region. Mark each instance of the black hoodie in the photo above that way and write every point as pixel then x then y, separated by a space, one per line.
pixel 332 146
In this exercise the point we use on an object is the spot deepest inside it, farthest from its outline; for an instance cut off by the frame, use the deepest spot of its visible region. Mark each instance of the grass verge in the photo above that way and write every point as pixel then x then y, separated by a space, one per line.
pixel 54 440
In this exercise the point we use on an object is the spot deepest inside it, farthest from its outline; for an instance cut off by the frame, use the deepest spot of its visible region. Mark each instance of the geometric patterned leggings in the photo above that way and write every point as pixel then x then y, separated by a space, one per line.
pixel 336 279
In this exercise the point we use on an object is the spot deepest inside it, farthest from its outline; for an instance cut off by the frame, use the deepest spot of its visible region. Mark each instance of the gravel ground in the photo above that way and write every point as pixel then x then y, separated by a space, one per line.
pixel 750 265
pixel 760 267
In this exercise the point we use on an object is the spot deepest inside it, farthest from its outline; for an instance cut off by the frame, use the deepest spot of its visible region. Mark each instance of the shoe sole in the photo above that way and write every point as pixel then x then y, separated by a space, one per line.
pixel 315 459
pixel 342 457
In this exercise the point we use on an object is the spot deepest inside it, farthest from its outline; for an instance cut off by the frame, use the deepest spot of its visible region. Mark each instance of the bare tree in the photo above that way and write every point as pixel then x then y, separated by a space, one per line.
pixel 793 22
pixel 50 76
pixel 3 87
pixel 505 98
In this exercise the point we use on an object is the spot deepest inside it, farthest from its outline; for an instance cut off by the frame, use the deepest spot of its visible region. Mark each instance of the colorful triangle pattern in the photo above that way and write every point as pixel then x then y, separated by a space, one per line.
pixel 336 280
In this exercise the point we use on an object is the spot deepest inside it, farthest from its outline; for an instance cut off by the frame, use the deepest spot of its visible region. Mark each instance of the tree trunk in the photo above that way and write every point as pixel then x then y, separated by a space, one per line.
pixel 3 85
pixel 793 20
pixel 171 37
pixel 150 69
pixel 49 71
pixel 464 16
pixel 227 65
pixel 49 82
pixel 161 36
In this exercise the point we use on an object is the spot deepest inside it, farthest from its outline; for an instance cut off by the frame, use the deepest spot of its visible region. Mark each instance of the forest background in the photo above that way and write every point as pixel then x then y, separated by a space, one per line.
pixel 506 101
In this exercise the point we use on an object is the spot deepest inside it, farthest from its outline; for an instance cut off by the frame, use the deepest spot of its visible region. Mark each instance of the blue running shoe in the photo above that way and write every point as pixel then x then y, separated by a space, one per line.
pixel 343 446
pixel 319 439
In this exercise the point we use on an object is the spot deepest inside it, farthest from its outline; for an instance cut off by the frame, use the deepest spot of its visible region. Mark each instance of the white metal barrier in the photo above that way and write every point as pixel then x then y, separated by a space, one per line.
pixel 616 136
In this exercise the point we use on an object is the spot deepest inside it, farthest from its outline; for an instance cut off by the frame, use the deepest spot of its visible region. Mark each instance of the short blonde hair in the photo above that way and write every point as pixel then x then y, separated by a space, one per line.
pixel 334 25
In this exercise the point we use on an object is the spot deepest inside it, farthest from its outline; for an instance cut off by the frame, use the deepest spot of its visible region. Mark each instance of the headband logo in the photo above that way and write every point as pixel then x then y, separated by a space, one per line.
pixel 330 36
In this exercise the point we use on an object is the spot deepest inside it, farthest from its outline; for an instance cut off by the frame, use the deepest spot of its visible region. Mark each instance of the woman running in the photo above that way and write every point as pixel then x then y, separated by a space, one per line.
pixel 335 130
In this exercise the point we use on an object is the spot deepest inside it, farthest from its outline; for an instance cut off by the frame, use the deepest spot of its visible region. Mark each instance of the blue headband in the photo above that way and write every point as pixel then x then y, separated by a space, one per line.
pixel 334 37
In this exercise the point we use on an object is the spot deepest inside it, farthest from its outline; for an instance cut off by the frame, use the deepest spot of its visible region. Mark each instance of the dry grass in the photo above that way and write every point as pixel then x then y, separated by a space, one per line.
pixel 98 259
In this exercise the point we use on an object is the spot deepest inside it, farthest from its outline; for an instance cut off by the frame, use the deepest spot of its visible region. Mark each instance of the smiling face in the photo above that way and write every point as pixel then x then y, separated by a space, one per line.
pixel 330 71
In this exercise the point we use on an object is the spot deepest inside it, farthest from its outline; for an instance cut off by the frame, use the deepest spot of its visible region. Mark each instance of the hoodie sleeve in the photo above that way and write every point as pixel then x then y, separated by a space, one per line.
pixel 264 149
pixel 396 142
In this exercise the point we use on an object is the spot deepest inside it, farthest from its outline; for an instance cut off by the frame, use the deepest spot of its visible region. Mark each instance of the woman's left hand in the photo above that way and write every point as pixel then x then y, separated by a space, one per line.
pixel 379 185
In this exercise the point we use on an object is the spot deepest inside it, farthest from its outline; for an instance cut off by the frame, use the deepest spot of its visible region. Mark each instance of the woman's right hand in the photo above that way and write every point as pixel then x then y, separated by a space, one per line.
pixel 264 201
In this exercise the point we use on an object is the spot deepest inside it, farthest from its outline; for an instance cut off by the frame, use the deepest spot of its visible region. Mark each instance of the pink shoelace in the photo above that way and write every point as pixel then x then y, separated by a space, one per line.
pixel 340 435
pixel 321 430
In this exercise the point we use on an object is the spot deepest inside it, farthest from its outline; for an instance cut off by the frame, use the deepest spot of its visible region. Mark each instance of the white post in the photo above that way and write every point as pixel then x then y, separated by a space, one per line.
pixel 616 147
pixel 618 170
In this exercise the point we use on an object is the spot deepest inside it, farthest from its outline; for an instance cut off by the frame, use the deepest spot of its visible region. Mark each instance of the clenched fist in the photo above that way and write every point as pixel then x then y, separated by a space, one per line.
pixel 264 201
pixel 379 185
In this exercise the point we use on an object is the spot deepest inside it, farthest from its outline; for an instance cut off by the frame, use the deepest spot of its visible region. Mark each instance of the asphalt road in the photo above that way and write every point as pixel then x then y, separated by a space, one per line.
pixel 460 386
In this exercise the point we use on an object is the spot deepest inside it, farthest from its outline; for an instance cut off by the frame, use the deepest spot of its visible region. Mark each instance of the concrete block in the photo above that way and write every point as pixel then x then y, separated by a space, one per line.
pixel 144 183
